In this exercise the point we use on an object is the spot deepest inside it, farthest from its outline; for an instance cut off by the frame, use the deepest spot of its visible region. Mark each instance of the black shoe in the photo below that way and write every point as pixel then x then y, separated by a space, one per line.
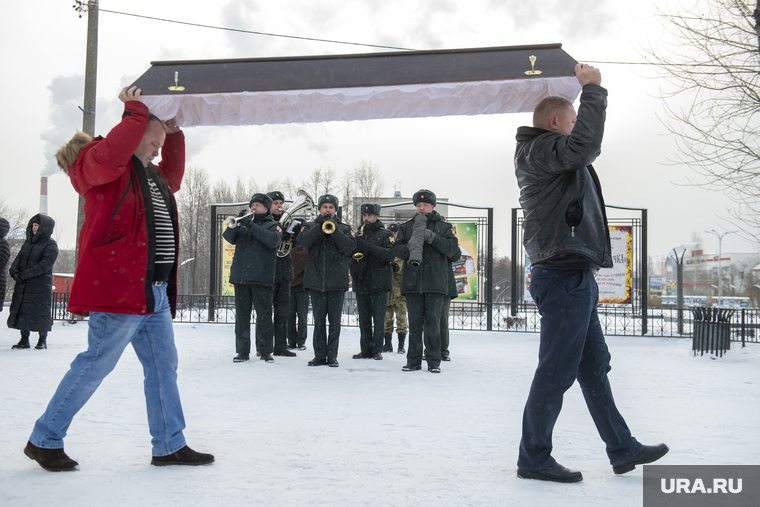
pixel 401 339
pixel 378 357
pixel 23 343
pixel 291 346
pixel 302 347
pixel 258 354
pixel 434 369
pixel 318 361
pixel 267 357
pixel 41 343
pixel 411 367
pixel 241 358
pixel 388 345
pixel 362 355
pixel 332 362
pixel 445 358
pixel 52 460
pixel 401 350
pixel 648 454
pixel 555 473
pixel 285 353
pixel 184 456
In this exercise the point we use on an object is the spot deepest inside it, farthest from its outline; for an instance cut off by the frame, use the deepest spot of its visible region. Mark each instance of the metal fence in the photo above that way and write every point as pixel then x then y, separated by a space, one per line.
pixel 464 316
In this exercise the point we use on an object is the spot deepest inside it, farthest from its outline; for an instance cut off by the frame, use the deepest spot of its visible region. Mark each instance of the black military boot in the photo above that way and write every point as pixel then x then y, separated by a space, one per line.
pixel 388 347
pixel 401 338
pixel 23 343
pixel 42 342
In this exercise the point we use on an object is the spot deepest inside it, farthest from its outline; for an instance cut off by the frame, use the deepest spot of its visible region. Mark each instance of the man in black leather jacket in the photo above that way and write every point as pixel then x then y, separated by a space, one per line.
pixel 567 239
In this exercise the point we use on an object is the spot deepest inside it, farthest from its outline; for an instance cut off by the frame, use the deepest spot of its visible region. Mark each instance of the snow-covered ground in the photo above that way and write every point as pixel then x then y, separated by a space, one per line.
pixel 367 433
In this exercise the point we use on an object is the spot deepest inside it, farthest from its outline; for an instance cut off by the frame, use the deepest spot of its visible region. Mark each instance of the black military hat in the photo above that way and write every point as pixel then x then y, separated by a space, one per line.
pixel 263 199
pixel 393 227
pixel 327 198
pixel 276 195
pixel 370 208
pixel 423 195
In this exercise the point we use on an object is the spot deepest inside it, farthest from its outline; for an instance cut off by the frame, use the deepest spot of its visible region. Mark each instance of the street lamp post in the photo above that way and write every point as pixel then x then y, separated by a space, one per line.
pixel 186 270
pixel 720 261
pixel 679 280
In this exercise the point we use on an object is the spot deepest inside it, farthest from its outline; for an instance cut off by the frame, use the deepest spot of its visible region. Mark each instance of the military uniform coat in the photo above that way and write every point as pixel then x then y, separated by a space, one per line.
pixel 329 255
pixel 432 275
pixel 256 245
pixel 378 273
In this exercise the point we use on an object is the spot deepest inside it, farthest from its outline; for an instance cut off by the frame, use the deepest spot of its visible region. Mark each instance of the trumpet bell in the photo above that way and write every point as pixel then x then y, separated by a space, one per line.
pixel 231 222
pixel 328 227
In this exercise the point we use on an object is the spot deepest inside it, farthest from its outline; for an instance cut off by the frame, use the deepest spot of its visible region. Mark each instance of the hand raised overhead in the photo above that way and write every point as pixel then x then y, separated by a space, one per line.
pixel 588 74
pixel 128 94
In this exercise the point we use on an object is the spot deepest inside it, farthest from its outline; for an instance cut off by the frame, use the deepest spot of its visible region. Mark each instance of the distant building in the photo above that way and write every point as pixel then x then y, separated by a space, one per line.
pixel 700 274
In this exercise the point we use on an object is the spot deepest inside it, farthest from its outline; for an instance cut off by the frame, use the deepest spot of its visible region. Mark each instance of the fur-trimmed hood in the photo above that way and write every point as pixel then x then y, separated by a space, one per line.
pixel 67 154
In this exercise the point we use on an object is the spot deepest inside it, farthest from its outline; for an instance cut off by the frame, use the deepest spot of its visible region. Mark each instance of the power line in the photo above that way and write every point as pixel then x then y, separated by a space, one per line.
pixel 253 32
pixel 239 30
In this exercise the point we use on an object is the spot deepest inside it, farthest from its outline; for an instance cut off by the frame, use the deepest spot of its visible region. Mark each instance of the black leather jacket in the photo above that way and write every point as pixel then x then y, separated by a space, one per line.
pixel 565 221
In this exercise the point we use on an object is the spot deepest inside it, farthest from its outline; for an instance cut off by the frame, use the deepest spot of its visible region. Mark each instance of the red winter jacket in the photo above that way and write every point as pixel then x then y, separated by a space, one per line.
pixel 116 254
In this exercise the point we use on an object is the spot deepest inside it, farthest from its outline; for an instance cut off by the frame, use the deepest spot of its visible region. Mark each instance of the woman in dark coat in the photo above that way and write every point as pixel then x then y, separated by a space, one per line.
pixel 33 272
pixel 5 253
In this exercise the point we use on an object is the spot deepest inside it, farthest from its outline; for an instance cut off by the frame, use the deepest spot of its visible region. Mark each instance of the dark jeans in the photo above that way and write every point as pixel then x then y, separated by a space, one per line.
pixel 327 305
pixel 572 347
pixel 299 311
pixel 281 312
pixel 444 329
pixel 371 307
pixel 247 298
pixel 424 310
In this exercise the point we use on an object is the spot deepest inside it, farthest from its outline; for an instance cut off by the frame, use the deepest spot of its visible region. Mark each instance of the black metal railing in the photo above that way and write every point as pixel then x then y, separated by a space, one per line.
pixel 466 316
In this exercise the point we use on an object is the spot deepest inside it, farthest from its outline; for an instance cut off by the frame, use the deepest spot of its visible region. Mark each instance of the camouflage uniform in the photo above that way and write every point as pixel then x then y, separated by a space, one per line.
pixel 397 304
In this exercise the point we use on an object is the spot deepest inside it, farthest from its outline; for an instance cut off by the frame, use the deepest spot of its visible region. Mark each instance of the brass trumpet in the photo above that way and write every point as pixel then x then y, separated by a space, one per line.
pixel 232 221
pixel 358 255
pixel 328 227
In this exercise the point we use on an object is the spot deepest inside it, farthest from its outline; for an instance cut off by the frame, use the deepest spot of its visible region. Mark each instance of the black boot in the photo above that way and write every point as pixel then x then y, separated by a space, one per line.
pixel 23 343
pixel 401 338
pixel 388 347
pixel 42 342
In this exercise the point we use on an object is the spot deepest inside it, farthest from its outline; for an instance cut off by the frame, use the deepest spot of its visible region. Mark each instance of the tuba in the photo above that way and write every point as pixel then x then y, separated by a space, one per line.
pixel 302 206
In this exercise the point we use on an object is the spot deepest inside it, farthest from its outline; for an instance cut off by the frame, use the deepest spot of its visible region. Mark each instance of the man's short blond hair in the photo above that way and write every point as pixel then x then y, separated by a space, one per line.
pixel 547 107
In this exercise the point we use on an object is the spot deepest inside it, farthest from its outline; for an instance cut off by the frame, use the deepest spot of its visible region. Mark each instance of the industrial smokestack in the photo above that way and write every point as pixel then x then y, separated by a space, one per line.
pixel 43 196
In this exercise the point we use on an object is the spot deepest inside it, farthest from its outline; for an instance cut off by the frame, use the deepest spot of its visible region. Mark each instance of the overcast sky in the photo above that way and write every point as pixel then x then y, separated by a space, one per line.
pixel 467 159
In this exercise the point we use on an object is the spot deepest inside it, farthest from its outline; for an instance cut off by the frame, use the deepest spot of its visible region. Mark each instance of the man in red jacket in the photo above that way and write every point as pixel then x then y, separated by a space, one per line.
pixel 125 279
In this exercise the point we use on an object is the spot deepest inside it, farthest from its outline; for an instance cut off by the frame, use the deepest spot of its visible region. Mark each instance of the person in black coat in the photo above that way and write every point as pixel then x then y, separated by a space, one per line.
pixel 372 278
pixel 33 272
pixel 5 254
pixel 256 239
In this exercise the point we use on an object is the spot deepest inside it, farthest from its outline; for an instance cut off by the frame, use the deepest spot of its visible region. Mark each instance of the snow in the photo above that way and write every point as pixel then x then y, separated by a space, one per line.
pixel 366 433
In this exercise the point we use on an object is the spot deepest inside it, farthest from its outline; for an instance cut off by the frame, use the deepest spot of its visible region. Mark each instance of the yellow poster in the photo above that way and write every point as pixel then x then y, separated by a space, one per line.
pixel 228 252
pixel 466 268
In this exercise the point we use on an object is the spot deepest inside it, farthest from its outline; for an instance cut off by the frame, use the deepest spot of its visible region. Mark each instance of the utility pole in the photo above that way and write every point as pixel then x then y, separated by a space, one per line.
pixel 90 85
pixel 720 261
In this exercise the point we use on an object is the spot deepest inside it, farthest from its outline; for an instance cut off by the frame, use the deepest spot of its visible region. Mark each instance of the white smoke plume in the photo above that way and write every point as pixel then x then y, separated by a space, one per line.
pixel 66 94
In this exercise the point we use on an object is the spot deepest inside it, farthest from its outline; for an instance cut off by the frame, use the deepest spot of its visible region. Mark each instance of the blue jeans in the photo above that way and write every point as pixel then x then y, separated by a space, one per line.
pixel 572 347
pixel 152 337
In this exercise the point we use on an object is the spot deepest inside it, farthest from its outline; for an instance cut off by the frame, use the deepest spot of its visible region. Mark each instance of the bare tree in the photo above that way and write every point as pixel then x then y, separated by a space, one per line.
pixel 368 180
pixel 713 64
pixel 346 194
pixel 193 202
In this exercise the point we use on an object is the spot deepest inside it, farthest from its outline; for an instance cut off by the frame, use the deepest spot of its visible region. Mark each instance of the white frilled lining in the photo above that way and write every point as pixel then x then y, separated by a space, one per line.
pixel 362 103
